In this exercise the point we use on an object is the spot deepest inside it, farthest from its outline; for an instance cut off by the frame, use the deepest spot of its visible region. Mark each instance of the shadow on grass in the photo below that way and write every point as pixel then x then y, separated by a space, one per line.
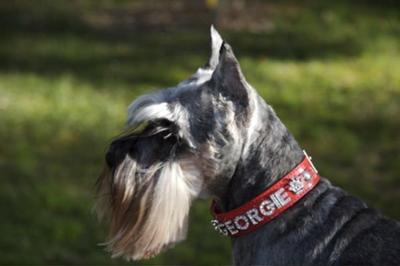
pixel 163 60
pixel 49 165
pixel 53 40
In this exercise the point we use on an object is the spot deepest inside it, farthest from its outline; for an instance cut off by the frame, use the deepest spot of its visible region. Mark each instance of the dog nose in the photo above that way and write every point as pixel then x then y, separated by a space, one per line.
pixel 112 155
pixel 110 158
pixel 116 153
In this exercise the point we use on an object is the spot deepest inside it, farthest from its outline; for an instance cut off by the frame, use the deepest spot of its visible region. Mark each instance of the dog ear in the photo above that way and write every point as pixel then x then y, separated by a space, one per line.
pixel 216 42
pixel 203 73
pixel 228 78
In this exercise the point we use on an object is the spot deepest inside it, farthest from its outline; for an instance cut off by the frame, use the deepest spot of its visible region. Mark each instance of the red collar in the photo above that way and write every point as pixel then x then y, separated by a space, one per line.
pixel 266 206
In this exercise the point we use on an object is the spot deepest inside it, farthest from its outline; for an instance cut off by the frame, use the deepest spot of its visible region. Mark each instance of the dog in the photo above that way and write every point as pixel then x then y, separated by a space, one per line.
pixel 212 135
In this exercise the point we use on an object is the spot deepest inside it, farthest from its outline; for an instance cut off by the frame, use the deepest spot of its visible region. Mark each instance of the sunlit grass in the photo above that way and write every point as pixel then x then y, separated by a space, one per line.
pixel 331 76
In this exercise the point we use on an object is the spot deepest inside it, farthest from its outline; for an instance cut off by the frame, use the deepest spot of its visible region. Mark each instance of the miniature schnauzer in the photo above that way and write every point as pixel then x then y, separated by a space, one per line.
pixel 212 135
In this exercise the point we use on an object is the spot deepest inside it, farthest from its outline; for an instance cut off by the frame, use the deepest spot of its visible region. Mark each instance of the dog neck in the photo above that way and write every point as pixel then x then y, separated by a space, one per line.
pixel 273 152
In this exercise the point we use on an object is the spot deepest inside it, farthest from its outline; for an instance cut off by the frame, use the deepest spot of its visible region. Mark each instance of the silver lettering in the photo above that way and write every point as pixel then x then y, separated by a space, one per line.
pixel 275 200
pixel 254 216
pixel 230 227
pixel 219 227
pixel 267 207
pixel 241 222
pixel 282 197
pixel 222 230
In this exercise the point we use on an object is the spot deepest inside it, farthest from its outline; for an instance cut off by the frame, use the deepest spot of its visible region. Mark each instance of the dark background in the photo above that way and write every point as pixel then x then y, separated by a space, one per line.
pixel 69 69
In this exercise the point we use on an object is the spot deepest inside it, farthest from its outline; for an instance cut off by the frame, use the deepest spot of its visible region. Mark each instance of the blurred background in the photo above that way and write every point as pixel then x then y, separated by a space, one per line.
pixel 69 69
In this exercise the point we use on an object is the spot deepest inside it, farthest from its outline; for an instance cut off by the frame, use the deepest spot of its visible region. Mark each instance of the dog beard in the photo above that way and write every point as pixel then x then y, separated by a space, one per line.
pixel 145 192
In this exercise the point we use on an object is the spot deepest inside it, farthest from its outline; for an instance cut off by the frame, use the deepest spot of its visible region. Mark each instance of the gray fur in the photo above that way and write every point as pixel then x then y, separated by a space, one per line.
pixel 221 133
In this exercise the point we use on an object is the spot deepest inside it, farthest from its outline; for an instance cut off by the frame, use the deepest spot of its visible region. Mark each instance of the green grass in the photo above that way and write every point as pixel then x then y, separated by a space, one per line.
pixel 331 71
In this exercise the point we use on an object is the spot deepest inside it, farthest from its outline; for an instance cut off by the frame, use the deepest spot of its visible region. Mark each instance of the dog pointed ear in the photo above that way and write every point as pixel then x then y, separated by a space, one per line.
pixel 216 42
pixel 228 78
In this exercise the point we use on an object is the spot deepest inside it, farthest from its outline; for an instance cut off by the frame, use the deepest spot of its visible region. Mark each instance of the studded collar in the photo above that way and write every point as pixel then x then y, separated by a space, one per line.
pixel 269 204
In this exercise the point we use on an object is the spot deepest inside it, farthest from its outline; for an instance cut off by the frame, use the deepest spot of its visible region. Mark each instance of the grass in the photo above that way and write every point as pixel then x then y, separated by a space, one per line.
pixel 330 73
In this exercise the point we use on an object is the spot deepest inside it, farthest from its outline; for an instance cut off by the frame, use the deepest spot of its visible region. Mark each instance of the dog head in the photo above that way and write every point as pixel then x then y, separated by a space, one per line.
pixel 181 143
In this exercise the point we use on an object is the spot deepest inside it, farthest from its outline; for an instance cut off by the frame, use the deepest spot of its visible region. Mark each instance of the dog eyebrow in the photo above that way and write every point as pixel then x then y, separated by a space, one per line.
pixel 149 112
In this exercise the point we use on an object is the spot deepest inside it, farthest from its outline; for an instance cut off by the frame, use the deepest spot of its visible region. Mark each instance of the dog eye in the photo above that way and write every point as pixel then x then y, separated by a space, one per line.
pixel 162 126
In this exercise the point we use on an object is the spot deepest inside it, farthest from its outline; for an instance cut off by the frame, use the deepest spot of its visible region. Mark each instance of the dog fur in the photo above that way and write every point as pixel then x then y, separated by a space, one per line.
pixel 212 135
